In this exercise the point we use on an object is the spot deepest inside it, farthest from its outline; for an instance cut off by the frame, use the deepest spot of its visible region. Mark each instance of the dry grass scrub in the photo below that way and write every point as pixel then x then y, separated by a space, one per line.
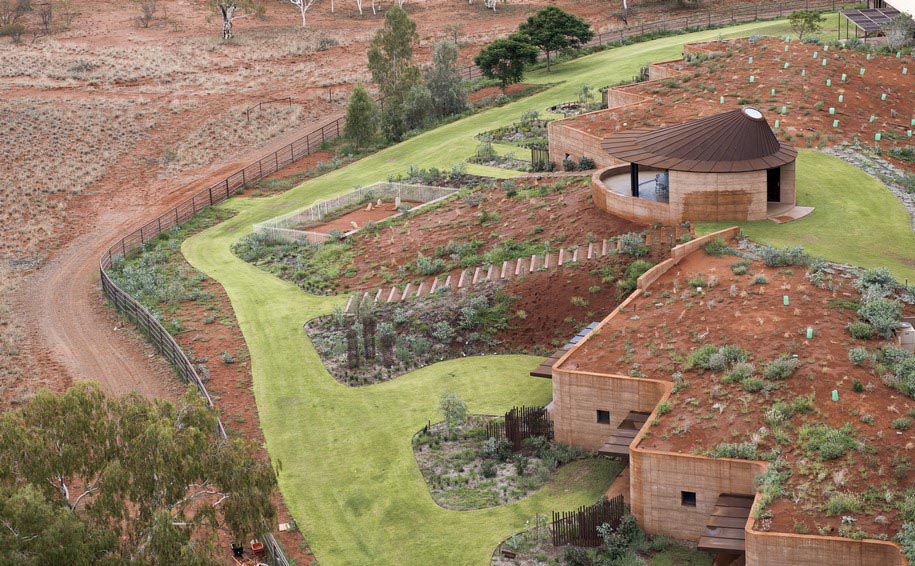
pixel 231 131
pixel 78 142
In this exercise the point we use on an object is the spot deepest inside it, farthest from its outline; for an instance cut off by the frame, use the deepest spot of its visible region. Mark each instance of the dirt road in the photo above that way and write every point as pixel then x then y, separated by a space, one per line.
pixel 73 330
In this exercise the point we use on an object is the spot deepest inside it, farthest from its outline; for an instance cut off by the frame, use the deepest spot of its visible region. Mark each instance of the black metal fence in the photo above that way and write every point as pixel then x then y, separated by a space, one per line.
pixel 579 527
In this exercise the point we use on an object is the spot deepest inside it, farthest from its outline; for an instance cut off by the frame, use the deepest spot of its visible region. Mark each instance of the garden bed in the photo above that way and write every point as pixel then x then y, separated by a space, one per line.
pixel 465 469
pixel 358 216
pixel 385 340
pixel 534 547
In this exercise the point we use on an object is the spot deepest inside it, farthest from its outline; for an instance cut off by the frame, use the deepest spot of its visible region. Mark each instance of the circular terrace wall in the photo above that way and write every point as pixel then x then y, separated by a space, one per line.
pixel 695 196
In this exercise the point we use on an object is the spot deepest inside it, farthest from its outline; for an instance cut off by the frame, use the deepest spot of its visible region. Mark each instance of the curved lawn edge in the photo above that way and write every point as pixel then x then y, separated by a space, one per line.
pixel 345 457
pixel 857 219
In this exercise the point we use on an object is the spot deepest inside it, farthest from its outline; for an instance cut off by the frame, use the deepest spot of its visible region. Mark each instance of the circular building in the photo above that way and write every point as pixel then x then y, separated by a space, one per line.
pixel 724 167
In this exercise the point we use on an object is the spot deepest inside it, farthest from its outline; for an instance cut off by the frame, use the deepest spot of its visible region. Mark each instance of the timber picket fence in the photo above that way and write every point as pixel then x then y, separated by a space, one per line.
pixel 579 527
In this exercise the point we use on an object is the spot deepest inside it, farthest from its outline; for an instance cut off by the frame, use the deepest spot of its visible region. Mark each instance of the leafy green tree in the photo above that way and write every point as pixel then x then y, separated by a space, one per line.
pixel 444 80
pixel 504 59
pixel 552 29
pixel 117 480
pixel 390 62
pixel 361 118
pixel 418 107
pixel 454 408
pixel 805 21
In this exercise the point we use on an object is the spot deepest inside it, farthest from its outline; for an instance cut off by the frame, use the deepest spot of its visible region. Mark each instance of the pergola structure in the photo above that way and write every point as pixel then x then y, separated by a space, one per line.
pixel 871 21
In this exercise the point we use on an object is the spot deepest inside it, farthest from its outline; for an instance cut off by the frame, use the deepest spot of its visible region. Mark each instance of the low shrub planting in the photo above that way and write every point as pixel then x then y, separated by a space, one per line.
pixel 781 368
pixel 840 503
pixel 782 257
pixel 740 450
pixel 883 314
pixel 860 330
pixel 858 356
pixel 827 443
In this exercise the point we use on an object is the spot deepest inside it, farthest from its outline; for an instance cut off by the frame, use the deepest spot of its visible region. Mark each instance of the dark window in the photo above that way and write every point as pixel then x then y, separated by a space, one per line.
pixel 603 417
pixel 688 498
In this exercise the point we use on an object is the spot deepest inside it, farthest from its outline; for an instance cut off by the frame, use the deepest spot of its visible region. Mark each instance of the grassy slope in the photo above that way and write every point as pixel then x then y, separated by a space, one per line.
pixel 856 220
pixel 348 473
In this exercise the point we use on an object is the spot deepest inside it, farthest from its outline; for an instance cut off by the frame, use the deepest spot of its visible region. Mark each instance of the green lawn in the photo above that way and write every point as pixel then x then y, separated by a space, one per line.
pixel 348 473
pixel 857 220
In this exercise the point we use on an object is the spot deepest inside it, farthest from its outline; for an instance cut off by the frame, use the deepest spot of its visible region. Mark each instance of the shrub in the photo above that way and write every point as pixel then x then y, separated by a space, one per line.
pixel 842 504
pixel 429 266
pixel 701 356
pixel 740 267
pixel 857 386
pixel 576 556
pixel 876 283
pixel 830 443
pixel 782 368
pixel 778 413
pixel 860 330
pixel 803 404
pixel 858 356
pixel 740 372
pixel 906 539
pixel 443 332
pixel 753 385
pixel 586 164
pixel 630 281
pixel 454 408
pixel 734 354
pixel 905 376
pixel 741 450
pixel 759 279
pixel 883 314
pixel 902 423
pixel 633 243
pixel 718 247
pixel 717 362
pixel 488 469
pixel 569 165
pixel 664 408
pixel 775 257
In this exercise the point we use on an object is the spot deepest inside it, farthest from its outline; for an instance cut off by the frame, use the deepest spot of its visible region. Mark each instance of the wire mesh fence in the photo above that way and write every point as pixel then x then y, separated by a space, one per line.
pixel 291 227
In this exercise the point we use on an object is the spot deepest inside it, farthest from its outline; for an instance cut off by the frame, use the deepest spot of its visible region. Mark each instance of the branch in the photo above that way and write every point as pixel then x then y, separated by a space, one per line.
pixel 92 488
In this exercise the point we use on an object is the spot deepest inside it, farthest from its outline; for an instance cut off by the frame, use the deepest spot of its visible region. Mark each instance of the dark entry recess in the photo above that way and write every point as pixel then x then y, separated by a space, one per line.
pixel 774 184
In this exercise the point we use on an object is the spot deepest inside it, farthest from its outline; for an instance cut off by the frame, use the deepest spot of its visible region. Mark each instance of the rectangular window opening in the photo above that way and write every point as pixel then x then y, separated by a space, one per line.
pixel 688 498
pixel 603 417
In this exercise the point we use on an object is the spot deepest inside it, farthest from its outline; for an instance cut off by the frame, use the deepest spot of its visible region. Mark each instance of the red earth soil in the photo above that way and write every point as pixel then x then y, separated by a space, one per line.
pixel 358 218
pixel 666 323
pixel 807 99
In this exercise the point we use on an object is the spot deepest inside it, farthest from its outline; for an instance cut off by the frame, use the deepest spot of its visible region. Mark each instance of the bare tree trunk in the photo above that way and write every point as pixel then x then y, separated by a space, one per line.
pixel 358 5
pixel 227 13
pixel 373 8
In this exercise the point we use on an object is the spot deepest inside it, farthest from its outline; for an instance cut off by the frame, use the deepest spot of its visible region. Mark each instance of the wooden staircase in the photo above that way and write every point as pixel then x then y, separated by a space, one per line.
pixel 724 531
pixel 617 446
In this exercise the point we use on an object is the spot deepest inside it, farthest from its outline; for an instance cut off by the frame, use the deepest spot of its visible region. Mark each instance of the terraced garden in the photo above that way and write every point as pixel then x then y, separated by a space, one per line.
pixel 344 454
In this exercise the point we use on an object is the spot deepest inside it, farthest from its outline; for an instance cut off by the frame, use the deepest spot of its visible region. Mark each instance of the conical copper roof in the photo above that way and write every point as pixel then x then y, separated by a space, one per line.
pixel 732 142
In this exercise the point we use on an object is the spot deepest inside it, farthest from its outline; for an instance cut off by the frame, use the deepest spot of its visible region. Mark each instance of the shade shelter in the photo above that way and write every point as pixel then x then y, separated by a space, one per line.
pixel 729 166
pixel 870 22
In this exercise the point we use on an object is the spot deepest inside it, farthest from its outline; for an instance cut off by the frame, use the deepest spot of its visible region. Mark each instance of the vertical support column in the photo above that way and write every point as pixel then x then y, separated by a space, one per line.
pixel 634 179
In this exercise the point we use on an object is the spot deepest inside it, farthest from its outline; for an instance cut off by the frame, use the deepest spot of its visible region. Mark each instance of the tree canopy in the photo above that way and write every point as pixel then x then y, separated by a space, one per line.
pixel 444 80
pixel 805 21
pixel 504 59
pixel 361 118
pixel 102 480
pixel 391 64
pixel 552 29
